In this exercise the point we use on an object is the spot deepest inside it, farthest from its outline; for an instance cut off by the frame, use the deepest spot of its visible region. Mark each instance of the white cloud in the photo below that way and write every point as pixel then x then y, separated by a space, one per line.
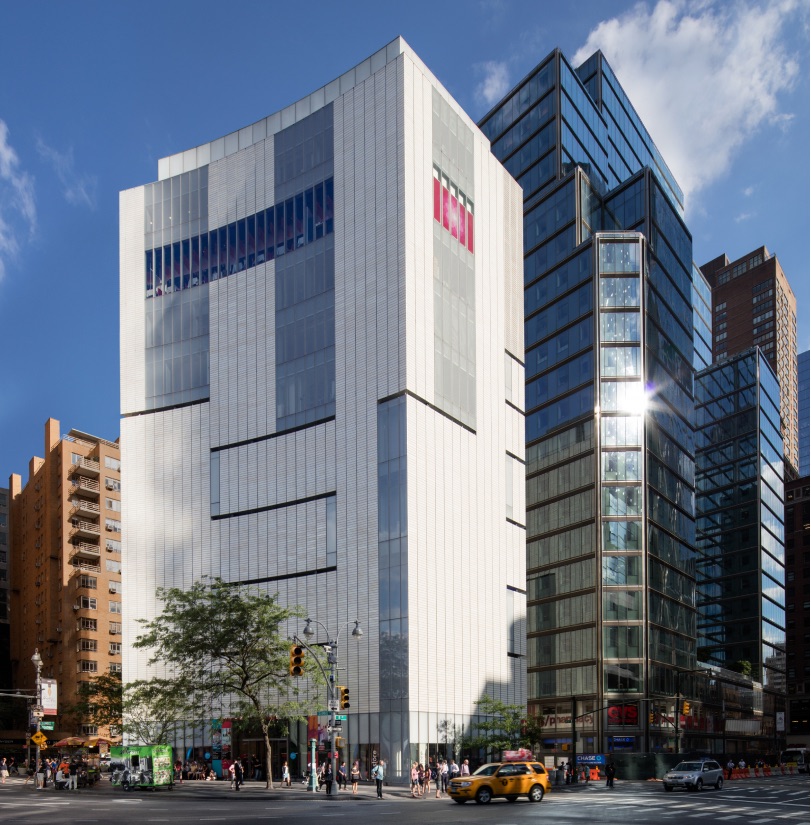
pixel 496 82
pixel 744 216
pixel 78 189
pixel 704 76
pixel 18 211
pixel 748 191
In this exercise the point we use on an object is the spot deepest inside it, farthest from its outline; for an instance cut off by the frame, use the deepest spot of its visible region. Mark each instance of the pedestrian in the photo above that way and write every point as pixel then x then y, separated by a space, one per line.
pixel 444 776
pixel 454 769
pixel 610 773
pixel 321 771
pixel 379 774
pixel 355 776
pixel 742 764
pixel 30 772
pixel 730 768
pixel 41 775
pixel 73 770
pixel 3 770
pixel 465 769
pixel 286 775
pixel 239 774
pixel 328 778
pixel 420 779
pixel 342 776
pixel 414 780
pixel 232 774
pixel 178 771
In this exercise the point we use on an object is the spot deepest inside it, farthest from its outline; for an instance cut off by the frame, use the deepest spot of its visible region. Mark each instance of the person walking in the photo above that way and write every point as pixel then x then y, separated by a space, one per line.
pixel 355 776
pixel 342 776
pixel 379 774
pixel 414 780
pixel 610 773
pixel 73 771
pixel 3 771
pixel 239 774
pixel 286 775
pixel 465 769
pixel 730 768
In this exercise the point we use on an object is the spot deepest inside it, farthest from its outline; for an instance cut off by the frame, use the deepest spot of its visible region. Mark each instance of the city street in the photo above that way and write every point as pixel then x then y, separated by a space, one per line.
pixel 778 801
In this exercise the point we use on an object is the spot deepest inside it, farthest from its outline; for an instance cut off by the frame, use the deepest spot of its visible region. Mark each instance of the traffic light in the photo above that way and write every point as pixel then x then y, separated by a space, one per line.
pixel 685 708
pixel 296 660
pixel 343 696
pixel 651 717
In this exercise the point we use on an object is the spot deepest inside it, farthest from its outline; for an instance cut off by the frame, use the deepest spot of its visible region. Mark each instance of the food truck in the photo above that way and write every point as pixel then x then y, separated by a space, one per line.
pixel 142 766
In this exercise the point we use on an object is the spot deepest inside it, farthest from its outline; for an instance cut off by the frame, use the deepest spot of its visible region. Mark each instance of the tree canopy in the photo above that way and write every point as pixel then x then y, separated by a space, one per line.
pixel 498 727
pixel 224 652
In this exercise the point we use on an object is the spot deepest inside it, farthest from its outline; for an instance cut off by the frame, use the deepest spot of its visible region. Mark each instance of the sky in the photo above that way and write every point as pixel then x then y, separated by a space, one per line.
pixel 92 94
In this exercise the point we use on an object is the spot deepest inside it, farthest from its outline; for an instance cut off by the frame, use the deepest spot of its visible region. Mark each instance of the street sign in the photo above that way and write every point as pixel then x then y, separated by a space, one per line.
pixel 324 712
pixel 38 739
pixel 48 725
pixel 340 717
pixel 333 706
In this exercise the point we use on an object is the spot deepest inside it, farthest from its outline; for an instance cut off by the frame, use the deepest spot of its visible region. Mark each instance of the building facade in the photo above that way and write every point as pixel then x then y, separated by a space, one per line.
pixel 610 307
pixel 803 409
pixel 740 530
pixel 5 594
pixel 798 585
pixel 753 305
pixel 322 394
pixel 66 593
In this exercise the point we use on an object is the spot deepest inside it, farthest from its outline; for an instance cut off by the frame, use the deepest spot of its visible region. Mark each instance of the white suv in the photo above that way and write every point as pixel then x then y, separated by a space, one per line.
pixel 694 775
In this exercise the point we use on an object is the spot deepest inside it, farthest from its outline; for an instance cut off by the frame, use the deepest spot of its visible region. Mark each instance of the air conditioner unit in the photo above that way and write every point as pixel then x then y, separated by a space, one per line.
pixel 109 549
pixel 113 590
pixel 77 607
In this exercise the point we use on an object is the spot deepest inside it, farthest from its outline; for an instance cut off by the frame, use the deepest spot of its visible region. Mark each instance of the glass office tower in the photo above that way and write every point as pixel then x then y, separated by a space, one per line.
pixel 610 309
pixel 740 530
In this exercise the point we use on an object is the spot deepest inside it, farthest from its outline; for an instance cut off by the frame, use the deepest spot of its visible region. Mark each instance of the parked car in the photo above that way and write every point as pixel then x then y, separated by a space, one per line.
pixel 694 775
pixel 509 780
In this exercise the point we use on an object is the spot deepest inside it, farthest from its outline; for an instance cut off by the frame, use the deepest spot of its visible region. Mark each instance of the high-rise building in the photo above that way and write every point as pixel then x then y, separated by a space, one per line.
pixel 610 306
pixel 803 409
pixel 740 529
pixel 798 559
pixel 321 384
pixel 753 305
pixel 5 651
pixel 65 540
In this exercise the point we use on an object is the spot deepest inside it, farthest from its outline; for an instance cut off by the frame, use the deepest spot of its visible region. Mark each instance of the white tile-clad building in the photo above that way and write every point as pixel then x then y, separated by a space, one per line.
pixel 322 393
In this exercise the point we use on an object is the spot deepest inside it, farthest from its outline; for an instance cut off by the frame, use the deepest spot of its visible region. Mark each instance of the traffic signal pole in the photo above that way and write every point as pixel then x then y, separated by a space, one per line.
pixel 331 649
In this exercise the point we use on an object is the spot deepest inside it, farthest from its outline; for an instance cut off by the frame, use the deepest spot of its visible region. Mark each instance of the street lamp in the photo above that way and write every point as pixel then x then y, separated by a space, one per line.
pixel 331 649
pixel 37 661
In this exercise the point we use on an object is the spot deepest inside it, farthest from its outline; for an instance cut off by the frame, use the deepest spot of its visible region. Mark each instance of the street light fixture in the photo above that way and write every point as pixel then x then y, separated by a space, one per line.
pixel 37 662
pixel 331 649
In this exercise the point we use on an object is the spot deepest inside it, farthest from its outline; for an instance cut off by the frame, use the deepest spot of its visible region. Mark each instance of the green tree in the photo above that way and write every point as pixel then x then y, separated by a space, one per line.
pixel 99 702
pixel 153 710
pixel 742 666
pixel 499 726
pixel 222 647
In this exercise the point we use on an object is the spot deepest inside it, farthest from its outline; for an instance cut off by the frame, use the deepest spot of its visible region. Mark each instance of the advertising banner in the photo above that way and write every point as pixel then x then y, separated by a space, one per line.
pixel 48 697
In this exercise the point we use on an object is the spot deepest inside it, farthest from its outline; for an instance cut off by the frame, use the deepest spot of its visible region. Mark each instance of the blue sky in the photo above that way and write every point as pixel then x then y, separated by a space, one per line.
pixel 92 94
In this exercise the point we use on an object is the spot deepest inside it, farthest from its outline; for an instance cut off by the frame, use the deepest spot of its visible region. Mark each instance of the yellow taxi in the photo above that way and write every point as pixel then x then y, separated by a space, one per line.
pixel 510 780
